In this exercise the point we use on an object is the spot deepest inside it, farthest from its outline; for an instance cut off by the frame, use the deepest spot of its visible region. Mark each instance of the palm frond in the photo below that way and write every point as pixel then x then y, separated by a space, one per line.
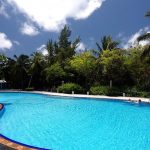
pixel 144 37
pixel 146 52
pixel 98 46
pixel 147 14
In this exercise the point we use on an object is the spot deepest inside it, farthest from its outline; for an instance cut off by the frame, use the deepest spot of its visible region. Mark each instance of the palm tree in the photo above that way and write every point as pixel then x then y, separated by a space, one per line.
pixel 20 69
pixel 145 36
pixel 50 46
pixel 37 65
pixel 3 63
pixel 107 43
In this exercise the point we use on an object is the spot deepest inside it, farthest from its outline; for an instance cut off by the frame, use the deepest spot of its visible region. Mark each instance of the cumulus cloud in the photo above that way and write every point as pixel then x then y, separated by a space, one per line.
pixel 52 15
pixel 42 49
pixel 5 43
pixel 132 40
pixel 29 29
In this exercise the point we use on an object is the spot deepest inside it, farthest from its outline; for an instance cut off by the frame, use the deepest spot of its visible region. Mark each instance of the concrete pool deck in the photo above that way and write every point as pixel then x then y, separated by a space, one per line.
pixel 9 145
pixel 98 97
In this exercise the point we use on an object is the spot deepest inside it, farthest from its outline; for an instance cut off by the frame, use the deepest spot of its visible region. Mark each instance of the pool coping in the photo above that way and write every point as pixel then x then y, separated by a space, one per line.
pixel 20 146
pixel 98 97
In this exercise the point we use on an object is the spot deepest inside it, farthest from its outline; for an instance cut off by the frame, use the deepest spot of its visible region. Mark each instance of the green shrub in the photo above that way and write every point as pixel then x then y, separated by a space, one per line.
pixel 69 87
pixel 115 91
pixel 99 90
pixel 105 90
pixel 135 92
pixel 29 89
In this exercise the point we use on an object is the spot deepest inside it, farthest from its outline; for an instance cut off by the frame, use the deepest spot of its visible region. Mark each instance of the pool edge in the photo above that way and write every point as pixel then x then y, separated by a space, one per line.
pixel 132 99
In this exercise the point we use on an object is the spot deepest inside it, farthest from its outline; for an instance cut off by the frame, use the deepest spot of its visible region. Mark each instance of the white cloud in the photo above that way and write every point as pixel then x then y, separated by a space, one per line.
pixel 51 15
pixel 5 43
pixel 120 35
pixel 29 29
pixel 3 9
pixel 132 41
pixel 42 49
pixel 16 42
pixel 81 47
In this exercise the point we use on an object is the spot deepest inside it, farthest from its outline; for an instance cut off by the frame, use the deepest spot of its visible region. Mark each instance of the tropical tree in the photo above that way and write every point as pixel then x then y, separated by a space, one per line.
pixel 145 36
pixel 63 49
pixel 54 74
pixel 51 52
pixel 107 43
pixel 84 64
pixel 20 71
pixel 35 71
pixel 114 68
pixel 3 63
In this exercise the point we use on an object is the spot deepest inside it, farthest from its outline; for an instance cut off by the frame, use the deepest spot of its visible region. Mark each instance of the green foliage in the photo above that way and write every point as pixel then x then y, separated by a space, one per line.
pixel 99 90
pixel 139 68
pixel 69 87
pixel 144 37
pixel 135 92
pixel 105 90
pixel 35 70
pixel 126 68
pixel 107 43
pixel 63 49
pixel 85 65
pixel 51 52
pixel 29 89
pixel 20 71
pixel 64 37
pixel 3 63
pixel 115 91
pixel 54 74
pixel 114 67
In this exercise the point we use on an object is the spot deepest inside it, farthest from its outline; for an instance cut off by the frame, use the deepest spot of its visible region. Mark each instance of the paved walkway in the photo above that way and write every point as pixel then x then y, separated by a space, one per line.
pixel 8 145
pixel 98 97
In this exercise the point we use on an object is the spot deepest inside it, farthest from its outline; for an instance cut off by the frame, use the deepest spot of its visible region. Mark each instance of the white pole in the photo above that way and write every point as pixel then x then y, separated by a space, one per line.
pixel 124 94
pixel 110 83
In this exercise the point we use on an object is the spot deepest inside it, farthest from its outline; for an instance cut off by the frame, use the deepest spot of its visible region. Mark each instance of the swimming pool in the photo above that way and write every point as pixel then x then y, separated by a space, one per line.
pixel 63 123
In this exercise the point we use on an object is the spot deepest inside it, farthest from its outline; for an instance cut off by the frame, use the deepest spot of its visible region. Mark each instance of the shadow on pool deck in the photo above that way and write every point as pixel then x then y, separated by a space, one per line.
pixel 9 145
pixel 4 147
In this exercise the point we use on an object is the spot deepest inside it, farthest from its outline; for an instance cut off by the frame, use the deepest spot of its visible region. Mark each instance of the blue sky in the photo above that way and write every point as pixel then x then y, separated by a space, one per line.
pixel 25 26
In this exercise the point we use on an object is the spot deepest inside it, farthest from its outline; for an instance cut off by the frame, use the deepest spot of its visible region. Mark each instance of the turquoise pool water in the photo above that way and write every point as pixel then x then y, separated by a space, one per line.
pixel 60 123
